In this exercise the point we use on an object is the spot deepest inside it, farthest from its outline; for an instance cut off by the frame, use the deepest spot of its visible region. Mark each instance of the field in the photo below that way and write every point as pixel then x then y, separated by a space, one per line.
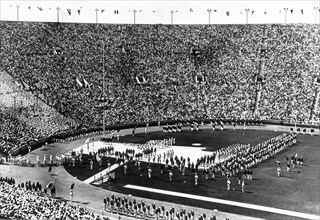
pixel 297 191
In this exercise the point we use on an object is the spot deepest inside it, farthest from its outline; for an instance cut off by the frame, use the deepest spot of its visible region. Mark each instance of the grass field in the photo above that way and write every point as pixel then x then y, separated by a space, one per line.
pixel 293 191
pixel 207 138
pixel 83 172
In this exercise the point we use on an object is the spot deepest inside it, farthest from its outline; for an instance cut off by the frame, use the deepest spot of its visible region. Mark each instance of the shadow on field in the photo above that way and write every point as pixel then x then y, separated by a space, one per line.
pixel 288 177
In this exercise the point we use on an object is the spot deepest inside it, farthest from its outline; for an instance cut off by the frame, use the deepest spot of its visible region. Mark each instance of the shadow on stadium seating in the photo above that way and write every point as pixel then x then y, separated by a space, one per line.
pixel 74 201
pixel 61 198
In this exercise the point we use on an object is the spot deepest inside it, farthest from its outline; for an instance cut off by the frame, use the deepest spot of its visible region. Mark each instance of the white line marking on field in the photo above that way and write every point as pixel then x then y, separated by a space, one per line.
pixel 226 202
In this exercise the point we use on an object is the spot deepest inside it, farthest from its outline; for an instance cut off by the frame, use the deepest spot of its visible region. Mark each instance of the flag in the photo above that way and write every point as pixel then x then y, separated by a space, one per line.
pixel 228 13
pixel 18 84
pixel 138 80
pixel 87 141
pixel 144 81
pixel 69 11
pixel 141 80
pixel 97 157
pixel 72 186
pixel 79 11
pixel 102 10
pixel 123 49
pixel 222 124
pixel 57 51
pixel 252 12
pixel 301 11
pixel 86 84
pixel 79 83
pixel 115 102
pixel 116 11
pixel 26 86
pixel 40 8
pixel 29 8
pixel 191 10
pixel 49 186
pixel 265 12
pixel 291 11
pixel 215 10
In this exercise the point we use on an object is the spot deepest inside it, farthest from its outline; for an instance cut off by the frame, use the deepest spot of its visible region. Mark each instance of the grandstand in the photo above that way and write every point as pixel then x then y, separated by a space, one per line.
pixel 82 97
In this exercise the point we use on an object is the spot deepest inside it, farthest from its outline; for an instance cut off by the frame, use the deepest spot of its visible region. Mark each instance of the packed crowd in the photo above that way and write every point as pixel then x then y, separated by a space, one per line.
pixel 28 202
pixel 37 52
pixel 24 114
pixel 14 133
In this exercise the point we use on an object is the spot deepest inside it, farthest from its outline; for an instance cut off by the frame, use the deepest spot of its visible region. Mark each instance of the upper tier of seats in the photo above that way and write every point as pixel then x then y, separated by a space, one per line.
pixel 49 57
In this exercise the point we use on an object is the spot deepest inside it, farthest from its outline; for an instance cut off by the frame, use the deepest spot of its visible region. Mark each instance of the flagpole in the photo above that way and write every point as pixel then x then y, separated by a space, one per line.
pixel 247 14
pixel 58 9
pixel 97 15
pixel 171 16
pixel 103 92
pixel 209 12
pixel 285 15
pixel 17 12
pixel 315 14
pixel 134 16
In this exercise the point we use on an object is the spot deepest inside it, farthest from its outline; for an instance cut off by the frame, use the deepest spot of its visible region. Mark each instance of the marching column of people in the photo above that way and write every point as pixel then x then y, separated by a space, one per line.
pixel 140 209
pixel 245 156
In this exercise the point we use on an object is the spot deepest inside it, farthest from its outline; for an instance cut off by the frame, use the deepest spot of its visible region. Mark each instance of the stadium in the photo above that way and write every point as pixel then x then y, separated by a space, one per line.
pixel 162 110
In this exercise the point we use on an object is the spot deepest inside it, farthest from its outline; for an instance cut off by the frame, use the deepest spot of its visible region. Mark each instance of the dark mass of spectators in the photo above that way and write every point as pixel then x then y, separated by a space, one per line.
pixel 13 133
pixel 50 57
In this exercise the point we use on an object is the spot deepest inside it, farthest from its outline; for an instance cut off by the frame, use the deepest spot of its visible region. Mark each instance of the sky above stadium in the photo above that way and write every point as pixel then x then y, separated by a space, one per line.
pixel 164 12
